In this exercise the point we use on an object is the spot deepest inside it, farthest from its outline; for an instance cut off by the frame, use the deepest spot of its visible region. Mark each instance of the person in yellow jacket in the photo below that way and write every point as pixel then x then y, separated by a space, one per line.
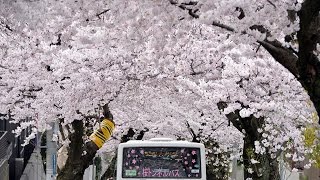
pixel 101 135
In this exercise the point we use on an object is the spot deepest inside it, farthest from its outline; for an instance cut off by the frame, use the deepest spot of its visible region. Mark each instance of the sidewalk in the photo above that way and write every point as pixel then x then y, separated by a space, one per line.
pixel 34 169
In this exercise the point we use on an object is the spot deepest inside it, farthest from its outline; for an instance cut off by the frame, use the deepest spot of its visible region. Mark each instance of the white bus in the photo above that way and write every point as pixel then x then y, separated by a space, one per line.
pixel 161 158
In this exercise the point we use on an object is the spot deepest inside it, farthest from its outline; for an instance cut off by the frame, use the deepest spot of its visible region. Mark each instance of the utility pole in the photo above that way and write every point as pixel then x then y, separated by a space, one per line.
pixel 51 153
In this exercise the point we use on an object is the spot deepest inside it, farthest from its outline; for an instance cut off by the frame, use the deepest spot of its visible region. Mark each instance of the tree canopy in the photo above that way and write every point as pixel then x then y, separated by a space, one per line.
pixel 163 66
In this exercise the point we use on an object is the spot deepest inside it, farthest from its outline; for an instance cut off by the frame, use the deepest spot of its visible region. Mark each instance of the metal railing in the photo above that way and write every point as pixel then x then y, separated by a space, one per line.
pixel 5 147
pixel 9 151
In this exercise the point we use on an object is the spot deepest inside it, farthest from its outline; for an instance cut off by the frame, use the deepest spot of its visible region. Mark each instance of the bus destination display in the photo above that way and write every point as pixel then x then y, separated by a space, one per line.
pixel 161 162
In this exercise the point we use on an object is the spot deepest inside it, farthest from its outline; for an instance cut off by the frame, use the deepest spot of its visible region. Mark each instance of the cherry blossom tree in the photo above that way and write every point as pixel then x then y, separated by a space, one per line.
pixel 288 30
pixel 166 68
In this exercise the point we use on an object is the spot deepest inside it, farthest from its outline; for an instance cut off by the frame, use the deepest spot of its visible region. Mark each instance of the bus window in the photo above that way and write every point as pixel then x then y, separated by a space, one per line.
pixel 161 162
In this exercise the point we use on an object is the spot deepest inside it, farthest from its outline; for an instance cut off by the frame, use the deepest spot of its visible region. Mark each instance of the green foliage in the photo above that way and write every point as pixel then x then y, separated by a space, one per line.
pixel 312 141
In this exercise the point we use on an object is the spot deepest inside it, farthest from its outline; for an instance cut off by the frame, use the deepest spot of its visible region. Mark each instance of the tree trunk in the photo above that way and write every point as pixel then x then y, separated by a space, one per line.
pixel 77 160
pixel 267 168
pixel 308 37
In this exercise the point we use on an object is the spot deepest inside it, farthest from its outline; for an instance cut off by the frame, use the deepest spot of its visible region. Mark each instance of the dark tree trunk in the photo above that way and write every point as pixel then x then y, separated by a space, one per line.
pixel 308 37
pixel 77 161
pixel 80 154
pixel 267 168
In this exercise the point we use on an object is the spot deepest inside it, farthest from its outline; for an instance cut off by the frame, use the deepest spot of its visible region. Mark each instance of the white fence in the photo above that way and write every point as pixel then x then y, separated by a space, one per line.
pixel 285 173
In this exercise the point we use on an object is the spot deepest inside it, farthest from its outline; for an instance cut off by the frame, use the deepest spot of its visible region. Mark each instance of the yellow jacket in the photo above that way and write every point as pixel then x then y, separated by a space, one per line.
pixel 103 133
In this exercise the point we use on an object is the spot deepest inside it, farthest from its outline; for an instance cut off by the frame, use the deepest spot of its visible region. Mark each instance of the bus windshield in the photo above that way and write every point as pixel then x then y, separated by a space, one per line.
pixel 161 162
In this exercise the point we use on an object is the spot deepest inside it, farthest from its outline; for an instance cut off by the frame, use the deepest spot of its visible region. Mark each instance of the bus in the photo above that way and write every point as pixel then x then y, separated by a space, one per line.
pixel 161 158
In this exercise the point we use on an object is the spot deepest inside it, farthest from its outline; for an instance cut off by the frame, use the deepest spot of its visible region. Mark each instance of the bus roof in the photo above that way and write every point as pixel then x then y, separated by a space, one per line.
pixel 161 142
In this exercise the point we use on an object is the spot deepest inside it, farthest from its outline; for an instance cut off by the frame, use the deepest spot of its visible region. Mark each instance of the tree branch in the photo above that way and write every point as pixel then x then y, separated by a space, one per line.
pixel 58 43
pixel 6 26
pixel 249 124
pixel 185 6
pixel 223 26
pixel 195 137
pixel 103 12
pixel 116 94
pixel 192 67
pixel 232 117
pixel 283 55
pixel 271 3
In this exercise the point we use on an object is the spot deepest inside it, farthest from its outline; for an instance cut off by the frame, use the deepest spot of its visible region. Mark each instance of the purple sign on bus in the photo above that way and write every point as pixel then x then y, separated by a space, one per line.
pixel 161 162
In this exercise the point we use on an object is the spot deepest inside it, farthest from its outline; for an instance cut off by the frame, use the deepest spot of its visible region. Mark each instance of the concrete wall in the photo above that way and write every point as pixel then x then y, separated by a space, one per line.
pixel 312 173
pixel 286 174
pixel 4 170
